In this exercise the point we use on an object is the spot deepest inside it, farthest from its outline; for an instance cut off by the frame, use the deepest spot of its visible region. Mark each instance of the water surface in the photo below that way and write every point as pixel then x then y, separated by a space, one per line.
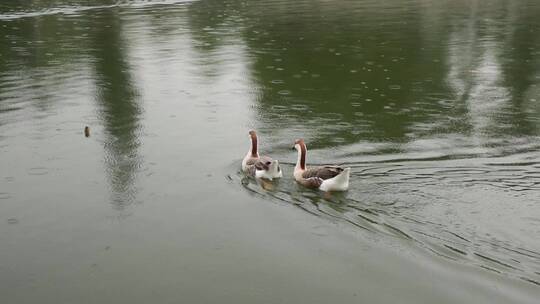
pixel 434 105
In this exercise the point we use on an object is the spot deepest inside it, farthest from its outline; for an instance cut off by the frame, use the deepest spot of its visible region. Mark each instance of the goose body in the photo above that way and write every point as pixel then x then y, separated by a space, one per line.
pixel 325 178
pixel 260 166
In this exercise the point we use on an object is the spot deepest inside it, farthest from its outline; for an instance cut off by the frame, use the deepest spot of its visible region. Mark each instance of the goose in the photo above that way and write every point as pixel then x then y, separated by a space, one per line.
pixel 259 166
pixel 325 178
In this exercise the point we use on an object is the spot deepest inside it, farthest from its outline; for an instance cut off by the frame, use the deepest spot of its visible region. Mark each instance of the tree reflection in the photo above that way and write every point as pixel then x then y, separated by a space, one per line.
pixel 522 41
pixel 39 50
pixel 119 110
pixel 484 73
pixel 210 27
pixel 346 73
pixel 341 72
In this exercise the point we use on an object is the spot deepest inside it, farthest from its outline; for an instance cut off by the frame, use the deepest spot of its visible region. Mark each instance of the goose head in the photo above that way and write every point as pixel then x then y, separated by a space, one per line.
pixel 298 144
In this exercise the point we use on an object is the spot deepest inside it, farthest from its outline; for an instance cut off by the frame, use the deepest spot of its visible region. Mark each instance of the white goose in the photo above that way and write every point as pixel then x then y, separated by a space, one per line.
pixel 326 178
pixel 260 166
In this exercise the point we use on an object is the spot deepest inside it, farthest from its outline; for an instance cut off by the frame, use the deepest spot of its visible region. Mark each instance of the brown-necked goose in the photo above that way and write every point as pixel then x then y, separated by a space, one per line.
pixel 260 166
pixel 326 178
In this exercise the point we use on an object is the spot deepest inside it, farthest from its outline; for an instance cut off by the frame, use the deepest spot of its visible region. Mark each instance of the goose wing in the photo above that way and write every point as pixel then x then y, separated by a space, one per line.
pixel 312 182
pixel 252 161
pixel 263 163
pixel 324 172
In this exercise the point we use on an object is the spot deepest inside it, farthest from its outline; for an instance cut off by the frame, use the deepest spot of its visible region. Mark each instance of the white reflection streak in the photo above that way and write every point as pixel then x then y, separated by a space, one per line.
pixel 460 59
pixel 487 97
pixel 476 75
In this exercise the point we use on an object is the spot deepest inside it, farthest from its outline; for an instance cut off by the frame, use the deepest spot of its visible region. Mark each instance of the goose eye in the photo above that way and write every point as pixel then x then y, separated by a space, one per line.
pixel 268 163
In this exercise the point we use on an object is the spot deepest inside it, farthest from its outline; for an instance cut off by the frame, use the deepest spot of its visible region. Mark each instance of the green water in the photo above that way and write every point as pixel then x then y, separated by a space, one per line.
pixel 435 106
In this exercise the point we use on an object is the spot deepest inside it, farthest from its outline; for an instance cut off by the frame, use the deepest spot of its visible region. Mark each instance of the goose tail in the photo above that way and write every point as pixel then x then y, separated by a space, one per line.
pixel 338 183
pixel 343 177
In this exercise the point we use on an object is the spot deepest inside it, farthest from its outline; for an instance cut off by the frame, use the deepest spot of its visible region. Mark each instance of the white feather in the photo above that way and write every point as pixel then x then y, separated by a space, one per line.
pixel 273 171
pixel 339 182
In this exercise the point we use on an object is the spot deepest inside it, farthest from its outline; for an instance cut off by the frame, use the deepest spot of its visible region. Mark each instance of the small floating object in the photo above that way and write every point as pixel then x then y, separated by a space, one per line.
pixel 87 131
pixel 260 166
pixel 325 178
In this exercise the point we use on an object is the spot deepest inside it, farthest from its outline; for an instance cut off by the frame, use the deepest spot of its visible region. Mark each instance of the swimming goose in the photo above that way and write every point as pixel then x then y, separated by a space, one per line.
pixel 326 178
pixel 260 166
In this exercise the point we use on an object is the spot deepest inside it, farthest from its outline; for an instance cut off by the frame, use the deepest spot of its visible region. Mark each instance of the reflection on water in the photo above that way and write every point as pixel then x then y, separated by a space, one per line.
pixel 451 207
pixel 435 105
pixel 117 99
pixel 418 117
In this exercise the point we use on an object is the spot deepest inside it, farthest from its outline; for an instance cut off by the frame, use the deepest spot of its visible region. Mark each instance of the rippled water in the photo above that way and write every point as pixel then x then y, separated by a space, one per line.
pixel 434 105
pixel 475 210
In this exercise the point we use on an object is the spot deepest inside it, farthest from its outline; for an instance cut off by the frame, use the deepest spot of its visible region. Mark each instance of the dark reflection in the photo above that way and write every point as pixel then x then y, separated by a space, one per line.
pixel 341 72
pixel 346 73
pixel 522 41
pixel 44 52
pixel 39 52
pixel 118 105
pixel 211 24
pixel 486 75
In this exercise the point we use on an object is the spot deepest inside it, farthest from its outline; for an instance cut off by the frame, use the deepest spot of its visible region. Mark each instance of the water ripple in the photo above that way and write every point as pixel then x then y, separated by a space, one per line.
pixel 75 10
pixel 442 205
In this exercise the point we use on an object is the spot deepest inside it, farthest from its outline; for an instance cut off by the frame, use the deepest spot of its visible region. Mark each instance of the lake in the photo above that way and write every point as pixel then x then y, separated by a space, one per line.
pixel 435 106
